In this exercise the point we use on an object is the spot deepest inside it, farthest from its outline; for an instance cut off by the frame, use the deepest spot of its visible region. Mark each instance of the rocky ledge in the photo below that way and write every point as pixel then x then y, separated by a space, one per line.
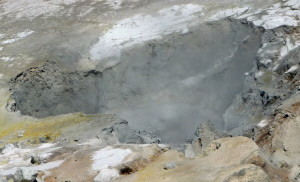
pixel 102 159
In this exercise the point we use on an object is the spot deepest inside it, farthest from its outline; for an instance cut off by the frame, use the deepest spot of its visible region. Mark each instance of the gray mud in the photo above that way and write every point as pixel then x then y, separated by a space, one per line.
pixel 169 85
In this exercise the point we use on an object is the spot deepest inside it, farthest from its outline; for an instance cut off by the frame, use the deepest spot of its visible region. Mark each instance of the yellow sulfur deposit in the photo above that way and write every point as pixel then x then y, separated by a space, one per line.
pixel 33 129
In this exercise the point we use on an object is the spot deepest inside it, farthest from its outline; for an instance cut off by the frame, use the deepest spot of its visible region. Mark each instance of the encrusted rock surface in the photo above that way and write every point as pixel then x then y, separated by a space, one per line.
pixel 274 79
pixel 124 134
pixel 25 175
pixel 40 91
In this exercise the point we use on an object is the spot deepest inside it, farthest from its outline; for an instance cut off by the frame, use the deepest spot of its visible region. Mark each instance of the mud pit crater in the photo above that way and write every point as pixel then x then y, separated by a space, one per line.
pixel 168 85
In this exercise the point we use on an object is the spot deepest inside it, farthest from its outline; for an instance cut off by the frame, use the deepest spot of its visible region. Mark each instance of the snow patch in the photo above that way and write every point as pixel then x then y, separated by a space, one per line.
pixel 22 35
pixel 293 3
pixel 12 158
pixel 292 69
pixel 109 157
pixel 142 28
pixel 46 166
pixel 277 16
pixel 7 59
pixel 46 145
pixel 185 31
pixel 266 61
pixel 235 12
pixel 274 21
pixel 18 36
pixel 259 74
pixel 262 123
pixel 42 167
pixel 33 8
pixel 9 149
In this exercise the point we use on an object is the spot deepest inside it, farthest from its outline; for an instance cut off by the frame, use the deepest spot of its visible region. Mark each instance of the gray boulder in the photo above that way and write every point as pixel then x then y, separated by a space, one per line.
pixel 206 133
pixel 25 175
pixel 124 134
pixel 49 90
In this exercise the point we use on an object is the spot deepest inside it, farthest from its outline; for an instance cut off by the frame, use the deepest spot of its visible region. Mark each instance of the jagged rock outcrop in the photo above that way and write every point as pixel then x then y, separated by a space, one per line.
pixel 244 173
pixel 124 134
pixel 48 90
pixel 25 175
pixel 274 79
pixel 204 135
pixel 226 159
pixel 278 137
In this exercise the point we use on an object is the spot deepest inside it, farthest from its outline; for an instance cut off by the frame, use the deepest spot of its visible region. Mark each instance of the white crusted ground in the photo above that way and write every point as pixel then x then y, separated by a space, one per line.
pixel 12 158
pixel 32 8
pixel 18 36
pixel 141 28
pixel 109 157
pixel 179 18
pixel 235 12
